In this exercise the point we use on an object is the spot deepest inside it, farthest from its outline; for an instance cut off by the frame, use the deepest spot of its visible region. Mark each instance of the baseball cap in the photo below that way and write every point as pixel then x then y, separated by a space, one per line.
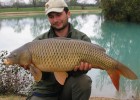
pixel 55 6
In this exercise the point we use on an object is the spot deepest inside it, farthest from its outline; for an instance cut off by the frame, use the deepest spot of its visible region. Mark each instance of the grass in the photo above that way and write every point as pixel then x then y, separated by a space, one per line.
pixel 20 12
pixel 21 9
pixel 42 9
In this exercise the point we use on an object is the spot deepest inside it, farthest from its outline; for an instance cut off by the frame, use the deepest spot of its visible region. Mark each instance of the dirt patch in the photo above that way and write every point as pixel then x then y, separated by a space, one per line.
pixel 102 98
pixel 12 97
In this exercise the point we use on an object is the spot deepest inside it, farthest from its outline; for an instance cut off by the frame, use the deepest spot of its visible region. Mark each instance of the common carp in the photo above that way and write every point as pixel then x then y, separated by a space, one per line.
pixel 62 55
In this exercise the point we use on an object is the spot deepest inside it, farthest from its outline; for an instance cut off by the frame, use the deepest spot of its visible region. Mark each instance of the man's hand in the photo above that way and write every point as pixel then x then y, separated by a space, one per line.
pixel 84 66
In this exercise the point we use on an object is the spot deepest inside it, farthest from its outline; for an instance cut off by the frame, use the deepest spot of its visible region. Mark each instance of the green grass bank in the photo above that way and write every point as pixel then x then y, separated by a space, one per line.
pixel 14 12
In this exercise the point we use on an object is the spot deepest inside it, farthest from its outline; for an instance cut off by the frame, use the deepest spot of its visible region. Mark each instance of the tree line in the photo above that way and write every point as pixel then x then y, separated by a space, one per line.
pixel 41 3
pixel 121 10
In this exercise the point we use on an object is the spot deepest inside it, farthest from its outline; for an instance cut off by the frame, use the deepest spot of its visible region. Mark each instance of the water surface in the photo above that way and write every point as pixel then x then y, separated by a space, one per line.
pixel 120 39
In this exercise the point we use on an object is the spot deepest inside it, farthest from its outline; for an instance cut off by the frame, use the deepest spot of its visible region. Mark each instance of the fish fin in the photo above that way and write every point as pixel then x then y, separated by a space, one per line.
pixel 126 72
pixel 115 77
pixel 120 69
pixel 61 77
pixel 37 74
pixel 99 47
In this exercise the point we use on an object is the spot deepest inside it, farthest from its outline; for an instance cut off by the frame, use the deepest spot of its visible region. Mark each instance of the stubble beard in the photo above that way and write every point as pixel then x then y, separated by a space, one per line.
pixel 63 27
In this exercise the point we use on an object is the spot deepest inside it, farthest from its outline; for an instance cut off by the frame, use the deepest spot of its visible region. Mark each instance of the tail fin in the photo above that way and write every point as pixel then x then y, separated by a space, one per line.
pixel 126 72
pixel 120 70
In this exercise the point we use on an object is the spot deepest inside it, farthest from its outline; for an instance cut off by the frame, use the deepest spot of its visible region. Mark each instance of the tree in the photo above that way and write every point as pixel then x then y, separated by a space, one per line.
pixel 17 4
pixel 73 2
pixel 121 10
pixel 34 3
pixel 37 2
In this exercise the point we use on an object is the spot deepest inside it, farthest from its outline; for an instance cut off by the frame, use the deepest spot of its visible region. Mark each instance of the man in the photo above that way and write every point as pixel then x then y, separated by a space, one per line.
pixel 78 84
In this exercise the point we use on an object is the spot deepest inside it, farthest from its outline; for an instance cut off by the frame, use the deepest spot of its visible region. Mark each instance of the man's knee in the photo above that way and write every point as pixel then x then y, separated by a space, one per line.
pixel 77 88
pixel 42 98
pixel 83 82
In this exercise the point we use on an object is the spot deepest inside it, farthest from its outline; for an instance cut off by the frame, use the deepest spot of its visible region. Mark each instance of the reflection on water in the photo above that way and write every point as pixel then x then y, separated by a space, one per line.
pixel 121 41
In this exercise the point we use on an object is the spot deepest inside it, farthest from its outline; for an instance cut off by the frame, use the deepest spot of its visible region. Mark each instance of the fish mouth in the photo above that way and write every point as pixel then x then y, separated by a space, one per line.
pixel 6 62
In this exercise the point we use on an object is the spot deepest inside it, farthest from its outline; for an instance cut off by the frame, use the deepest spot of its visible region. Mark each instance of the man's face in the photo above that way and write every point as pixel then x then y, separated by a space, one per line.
pixel 58 20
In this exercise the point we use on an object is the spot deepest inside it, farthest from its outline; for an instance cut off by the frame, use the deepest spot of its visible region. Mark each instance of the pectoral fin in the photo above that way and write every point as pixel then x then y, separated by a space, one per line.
pixel 61 77
pixel 37 74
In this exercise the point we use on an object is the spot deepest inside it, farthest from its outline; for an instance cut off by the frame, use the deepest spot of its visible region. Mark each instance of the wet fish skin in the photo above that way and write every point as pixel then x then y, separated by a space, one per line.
pixel 62 55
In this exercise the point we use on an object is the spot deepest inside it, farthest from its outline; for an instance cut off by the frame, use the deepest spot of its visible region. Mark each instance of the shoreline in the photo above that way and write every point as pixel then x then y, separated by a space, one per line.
pixel 31 13
pixel 20 97
pixel 12 97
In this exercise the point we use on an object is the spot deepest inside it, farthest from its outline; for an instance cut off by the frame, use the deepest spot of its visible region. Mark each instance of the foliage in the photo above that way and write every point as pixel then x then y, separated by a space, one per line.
pixel 121 10
pixel 40 3
pixel 13 79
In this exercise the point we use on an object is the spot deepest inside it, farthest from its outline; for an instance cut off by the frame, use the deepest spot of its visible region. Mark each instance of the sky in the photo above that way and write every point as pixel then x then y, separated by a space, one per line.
pixel 80 1
pixel 87 1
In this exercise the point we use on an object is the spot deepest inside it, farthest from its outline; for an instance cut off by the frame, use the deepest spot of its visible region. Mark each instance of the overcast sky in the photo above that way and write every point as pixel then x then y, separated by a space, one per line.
pixel 88 1
pixel 85 1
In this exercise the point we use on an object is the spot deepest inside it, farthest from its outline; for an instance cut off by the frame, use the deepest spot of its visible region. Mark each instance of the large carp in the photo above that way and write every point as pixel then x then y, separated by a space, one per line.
pixel 62 55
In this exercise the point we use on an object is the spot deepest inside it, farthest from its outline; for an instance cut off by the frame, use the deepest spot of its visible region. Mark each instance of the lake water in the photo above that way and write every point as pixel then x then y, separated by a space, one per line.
pixel 120 39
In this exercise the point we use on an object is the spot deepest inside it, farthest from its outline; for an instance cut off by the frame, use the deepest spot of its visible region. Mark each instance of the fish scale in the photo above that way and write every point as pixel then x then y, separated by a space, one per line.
pixel 60 55
pixel 56 52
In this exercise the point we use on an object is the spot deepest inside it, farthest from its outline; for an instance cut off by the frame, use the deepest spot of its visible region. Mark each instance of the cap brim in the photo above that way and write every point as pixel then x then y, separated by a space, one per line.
pixel 54 10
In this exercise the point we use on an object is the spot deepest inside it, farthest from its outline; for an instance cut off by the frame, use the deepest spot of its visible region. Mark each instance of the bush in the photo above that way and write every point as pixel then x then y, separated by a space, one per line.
pixel 14 79
pixel 121 10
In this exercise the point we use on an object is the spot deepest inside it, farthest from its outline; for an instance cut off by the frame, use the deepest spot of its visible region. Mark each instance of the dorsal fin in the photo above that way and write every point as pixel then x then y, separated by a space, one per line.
pixel 99 47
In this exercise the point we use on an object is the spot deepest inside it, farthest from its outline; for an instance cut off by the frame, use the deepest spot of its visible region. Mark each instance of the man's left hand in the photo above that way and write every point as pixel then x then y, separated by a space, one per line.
pixel 84 66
